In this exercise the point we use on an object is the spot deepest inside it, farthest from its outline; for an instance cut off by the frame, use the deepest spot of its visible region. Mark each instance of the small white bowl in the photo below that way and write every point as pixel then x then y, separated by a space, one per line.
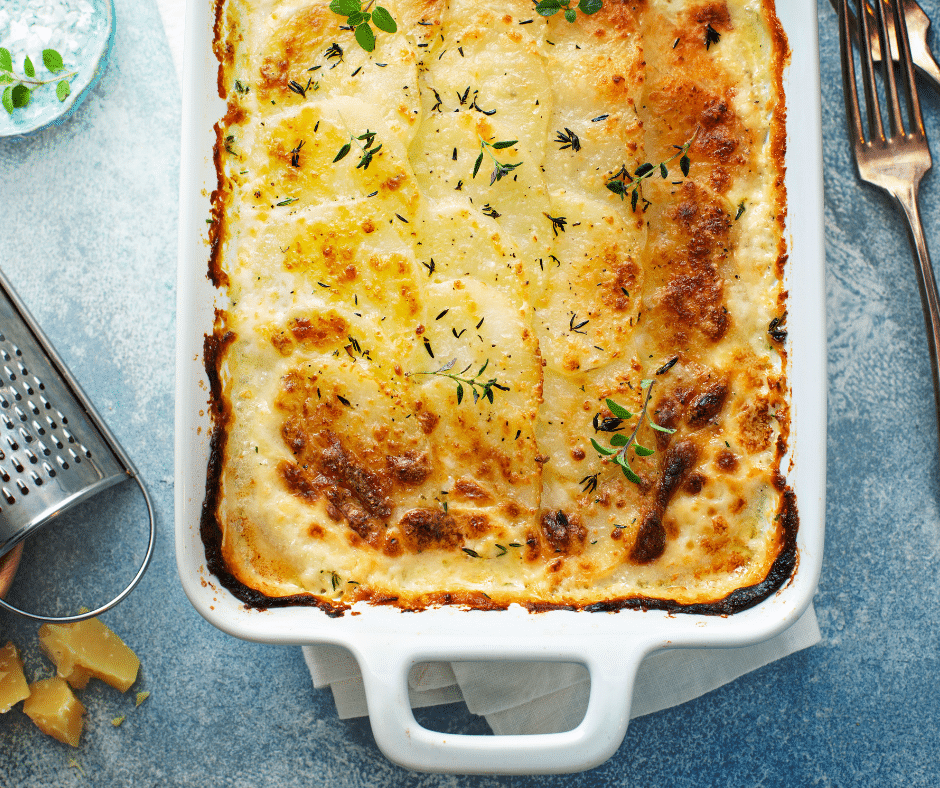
pixel 44 108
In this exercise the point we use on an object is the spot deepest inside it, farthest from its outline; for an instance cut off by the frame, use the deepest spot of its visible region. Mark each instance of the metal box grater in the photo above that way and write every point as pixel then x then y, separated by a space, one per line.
pixel 55 450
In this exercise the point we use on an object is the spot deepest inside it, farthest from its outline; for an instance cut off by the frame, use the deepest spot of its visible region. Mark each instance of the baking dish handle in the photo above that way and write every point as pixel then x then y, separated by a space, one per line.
pixel 612 668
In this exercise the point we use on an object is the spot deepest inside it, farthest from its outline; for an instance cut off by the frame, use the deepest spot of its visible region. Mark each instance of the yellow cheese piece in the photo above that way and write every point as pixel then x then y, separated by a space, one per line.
pixel 13 687
pixel 55 710
pixel 88 648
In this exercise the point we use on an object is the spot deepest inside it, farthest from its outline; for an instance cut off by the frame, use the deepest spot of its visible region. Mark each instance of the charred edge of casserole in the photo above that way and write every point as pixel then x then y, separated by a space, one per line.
pixel 217 222
pixel 740 599
pixel 217 45
pixel 779 126
pixel 210 530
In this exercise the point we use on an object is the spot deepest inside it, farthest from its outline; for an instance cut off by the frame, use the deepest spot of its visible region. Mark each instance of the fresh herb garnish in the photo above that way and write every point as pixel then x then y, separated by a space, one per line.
pixel 623 183
pixel 479 389
pixel 667 366
pixel 623 443
pixel 589 482
pixel 500 170
pixel 776 330
pixel 358 18
pixel 576 329
pixel 568 139
pixel 552 7
pixel 558 223
pixel 301 90
pixel 295 155
pixel 477 107
pixel 19 87
pixel 368 150
pixel 712 36
pixel 334 52
pixel 740 210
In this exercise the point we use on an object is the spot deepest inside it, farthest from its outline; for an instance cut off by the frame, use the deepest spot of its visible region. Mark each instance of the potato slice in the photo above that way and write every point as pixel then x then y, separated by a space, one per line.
pixel 13 687
pixel 88 648
pixel 55 710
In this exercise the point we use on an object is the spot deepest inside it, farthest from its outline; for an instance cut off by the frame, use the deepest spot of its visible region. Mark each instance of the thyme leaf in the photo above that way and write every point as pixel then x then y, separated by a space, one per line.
pixel 479 389
pixel 712 36
pixel 500 169
pixel 369 149
pixel 620 443
pixel 568 139
pixel 623 182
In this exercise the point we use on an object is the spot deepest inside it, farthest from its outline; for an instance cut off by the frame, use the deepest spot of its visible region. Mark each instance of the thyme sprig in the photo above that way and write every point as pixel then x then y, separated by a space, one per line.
pixel 368 150
pixel 500 170
pixel 552 7
pixel 568 139
pixel 479 389
pixel 623 443
pixel 19 87
pixel 358 18
pixel 623 183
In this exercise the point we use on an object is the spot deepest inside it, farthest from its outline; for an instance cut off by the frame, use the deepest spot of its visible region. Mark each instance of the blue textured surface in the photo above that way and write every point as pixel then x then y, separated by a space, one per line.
pixel 90 243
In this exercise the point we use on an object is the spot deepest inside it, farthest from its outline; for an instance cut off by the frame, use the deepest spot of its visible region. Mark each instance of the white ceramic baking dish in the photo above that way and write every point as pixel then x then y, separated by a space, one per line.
pixel 386 642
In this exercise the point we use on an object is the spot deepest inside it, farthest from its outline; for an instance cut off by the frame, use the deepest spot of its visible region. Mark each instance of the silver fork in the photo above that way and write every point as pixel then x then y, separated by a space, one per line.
pixel 918 26
pixel 895 163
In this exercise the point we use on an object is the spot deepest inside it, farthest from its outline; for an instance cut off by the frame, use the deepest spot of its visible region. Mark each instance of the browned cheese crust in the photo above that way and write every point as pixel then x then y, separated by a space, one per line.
pixel 501 313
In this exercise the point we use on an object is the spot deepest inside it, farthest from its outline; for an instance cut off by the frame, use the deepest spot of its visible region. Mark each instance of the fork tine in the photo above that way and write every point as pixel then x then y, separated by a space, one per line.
pixel 872 106
pixel 907 71
pixel 896 122
pixel 852 112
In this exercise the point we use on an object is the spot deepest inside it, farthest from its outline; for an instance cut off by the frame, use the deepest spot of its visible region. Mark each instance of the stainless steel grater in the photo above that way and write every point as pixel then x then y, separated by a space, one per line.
pixel 55 450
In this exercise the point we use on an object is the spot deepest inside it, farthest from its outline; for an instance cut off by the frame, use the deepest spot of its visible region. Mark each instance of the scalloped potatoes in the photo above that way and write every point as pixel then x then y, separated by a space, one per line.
pixel 435 288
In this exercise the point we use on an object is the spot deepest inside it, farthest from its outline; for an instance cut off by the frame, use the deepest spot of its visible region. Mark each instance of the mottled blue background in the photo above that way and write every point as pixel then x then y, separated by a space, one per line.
pixel 89 239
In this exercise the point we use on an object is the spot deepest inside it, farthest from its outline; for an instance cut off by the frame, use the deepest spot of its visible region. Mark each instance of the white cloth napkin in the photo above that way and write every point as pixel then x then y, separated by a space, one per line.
pixel 519 697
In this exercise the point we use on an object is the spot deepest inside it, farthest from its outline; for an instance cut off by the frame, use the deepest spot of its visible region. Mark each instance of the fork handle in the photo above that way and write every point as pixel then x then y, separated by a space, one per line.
pixel 907 198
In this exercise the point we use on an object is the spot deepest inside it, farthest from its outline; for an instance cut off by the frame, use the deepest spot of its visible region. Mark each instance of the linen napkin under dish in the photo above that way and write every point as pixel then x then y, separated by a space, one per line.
pixel 546 697
pixel 543 697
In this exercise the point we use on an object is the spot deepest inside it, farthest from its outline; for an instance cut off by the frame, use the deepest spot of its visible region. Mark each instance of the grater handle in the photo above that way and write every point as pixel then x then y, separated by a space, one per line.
pixel 130 586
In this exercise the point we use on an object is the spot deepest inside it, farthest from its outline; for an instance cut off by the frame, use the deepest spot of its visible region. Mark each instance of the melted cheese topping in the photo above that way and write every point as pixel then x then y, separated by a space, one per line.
pixel 415 355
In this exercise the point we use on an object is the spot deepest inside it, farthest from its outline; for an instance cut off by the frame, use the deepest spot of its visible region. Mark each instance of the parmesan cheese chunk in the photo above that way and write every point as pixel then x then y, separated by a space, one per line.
pixel 86 649
pixel 55 710
pixel 13 686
